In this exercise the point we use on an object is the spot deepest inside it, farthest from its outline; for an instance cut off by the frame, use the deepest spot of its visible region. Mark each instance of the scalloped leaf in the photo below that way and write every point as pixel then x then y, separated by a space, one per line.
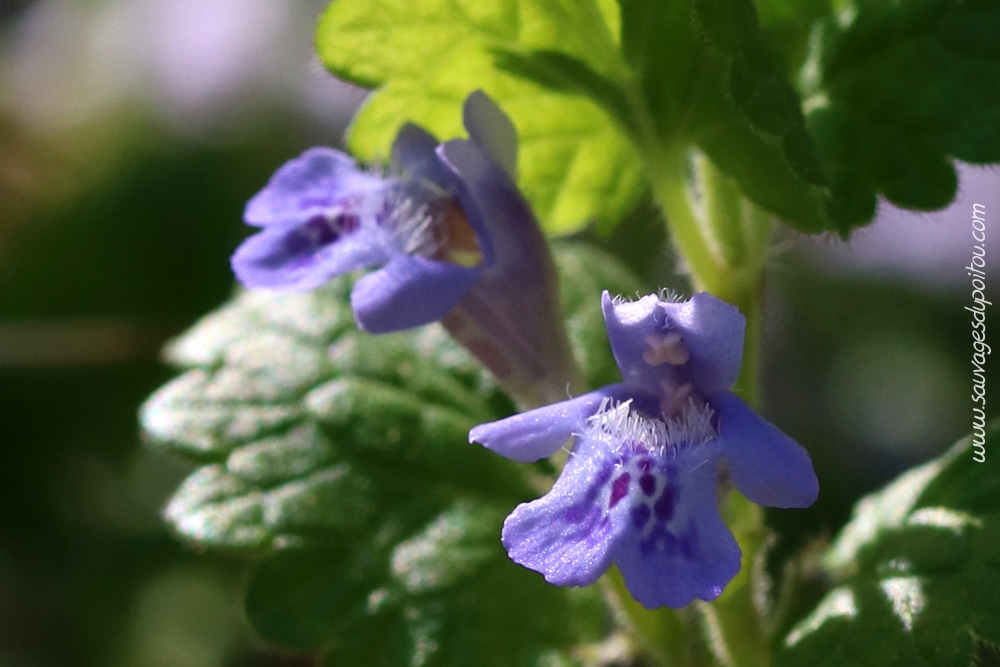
pixel 916 571
pixel 897 92
pixel 344 458
pixel 425 57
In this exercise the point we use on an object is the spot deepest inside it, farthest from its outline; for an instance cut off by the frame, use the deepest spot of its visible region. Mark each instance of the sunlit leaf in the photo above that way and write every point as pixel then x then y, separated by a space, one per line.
pixel 916 573
pixel 425 57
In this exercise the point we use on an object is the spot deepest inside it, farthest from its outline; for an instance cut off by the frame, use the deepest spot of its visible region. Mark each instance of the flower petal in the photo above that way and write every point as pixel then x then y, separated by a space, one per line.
pixel 515 300
pixel 490 127
pixel 568 534
pixel 484 192
pixel 765 465
pixel 690 555
pixel 294 257
pixel 713 332
pixel 414 156
pixel 308 186
pixel 539 433
pixel 629 325
pixel 498 214
pixel 409 291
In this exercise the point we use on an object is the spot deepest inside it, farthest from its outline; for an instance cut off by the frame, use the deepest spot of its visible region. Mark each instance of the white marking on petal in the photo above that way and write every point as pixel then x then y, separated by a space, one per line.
pixel 666 349
pixel 618 426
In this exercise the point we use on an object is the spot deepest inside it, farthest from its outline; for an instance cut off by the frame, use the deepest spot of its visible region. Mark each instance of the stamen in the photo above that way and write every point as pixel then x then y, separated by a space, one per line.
pixel 428 222
pixel 462 246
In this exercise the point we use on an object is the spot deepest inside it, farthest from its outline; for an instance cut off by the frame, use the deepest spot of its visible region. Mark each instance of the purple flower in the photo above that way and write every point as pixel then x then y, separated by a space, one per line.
pixel 453 238
pixel 640 486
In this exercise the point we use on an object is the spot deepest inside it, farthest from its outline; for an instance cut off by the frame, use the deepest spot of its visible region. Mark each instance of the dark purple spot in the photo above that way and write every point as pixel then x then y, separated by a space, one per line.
pixel 320 231
pixel 640 515
pixel 296 243
pixel 648 484
pixel 317 232
pixel 664 507
pixel 646 465
pixel 619 489
pixel 346 223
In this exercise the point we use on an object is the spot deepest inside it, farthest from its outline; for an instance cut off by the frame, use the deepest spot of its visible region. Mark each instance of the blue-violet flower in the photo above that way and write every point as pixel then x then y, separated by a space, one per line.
pixel 640 486
pixel 455 241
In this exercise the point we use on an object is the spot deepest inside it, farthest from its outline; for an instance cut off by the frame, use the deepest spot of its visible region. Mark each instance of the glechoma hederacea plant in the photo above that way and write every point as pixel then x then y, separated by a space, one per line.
pixel 335 438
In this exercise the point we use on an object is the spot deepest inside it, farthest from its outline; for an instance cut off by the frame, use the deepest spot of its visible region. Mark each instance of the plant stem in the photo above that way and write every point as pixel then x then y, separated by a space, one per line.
pixel 723 255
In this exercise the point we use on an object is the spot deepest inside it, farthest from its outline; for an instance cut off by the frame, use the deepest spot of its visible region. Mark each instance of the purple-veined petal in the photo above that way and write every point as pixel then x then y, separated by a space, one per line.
pixel 568 534
pixel 765 465
pixel 308 186
pixel 303 256
pixel 490 127
pixel 689 552
pixel 409 291
pixel 539 433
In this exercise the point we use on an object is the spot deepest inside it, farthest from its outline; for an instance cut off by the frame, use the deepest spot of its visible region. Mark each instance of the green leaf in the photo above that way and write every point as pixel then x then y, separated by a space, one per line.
pixel 604 96
pixel 596 92
pixel 343 458
pixel 709 79
pixel 897 92
pixel 916 573
pixel 305 424
pixel 786 25
pixel 424 58
pixel 451 598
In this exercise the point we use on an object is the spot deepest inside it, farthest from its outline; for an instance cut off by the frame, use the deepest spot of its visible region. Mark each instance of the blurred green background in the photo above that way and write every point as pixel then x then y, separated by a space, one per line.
pixel 131 134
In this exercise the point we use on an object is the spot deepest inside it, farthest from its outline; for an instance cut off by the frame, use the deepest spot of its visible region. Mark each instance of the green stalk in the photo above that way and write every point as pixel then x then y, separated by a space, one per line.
pixel 723 255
